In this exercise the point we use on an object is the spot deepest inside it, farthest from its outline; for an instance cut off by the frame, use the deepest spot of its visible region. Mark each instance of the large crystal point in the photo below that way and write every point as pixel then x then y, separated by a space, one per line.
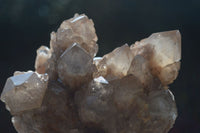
pixel 167 47
pixel 75 66
pixel 162 50
pixel 140 69
pixel 24 91
pixel 78 29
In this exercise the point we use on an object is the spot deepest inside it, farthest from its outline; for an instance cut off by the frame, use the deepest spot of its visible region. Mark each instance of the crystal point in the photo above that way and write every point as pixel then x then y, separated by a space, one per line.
pixel 43 54
pixel 167 47
pixel 24 92
pixel 78 29
pixel 75 66
pixel 116 63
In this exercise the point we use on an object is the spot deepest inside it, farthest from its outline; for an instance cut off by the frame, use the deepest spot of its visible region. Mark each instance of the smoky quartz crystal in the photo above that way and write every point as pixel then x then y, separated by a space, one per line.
pixel 72 91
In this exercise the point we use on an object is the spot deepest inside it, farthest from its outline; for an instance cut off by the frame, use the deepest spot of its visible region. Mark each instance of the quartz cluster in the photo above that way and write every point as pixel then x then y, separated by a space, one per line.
pixel 72 91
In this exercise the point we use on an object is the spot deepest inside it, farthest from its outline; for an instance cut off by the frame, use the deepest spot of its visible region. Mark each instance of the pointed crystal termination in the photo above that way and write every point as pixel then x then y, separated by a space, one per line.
pixel 43 55
pixel 78 29
pixel 75 66
pixel 115 64
pixel 25 91
pixel 164 49
pixel 167 47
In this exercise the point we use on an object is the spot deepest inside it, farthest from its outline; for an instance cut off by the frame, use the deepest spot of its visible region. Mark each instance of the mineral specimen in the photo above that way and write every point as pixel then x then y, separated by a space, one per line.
pixel 72 91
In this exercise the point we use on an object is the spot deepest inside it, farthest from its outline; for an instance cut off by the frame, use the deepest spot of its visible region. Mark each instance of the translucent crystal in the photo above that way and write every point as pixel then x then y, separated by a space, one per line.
pixel 96 60
pixel 116 64
pixel 24 92
pixel 125 91
pixel 75 66
pixel 167 47
pixel 162 50
pixel 169 73
pixel 43 55
pixel 78 29
pixel 140 69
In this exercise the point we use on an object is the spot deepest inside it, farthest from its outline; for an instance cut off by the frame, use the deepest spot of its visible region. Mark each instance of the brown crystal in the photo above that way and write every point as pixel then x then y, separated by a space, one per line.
pixel 115 64
pixel 162 50
pixel 24 91
pixel 72 91
pixel 75 66
pixel 78 29
pixel 43 55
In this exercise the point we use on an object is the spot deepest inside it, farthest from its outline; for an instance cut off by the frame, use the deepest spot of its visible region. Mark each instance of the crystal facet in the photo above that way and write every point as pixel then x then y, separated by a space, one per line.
pixel 75 66
pixel 78 29
pixel 72 91
pixel 24 92
pixel 116 63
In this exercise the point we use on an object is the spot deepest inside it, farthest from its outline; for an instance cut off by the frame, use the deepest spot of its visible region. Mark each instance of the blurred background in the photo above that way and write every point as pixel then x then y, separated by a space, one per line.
pixel 27 24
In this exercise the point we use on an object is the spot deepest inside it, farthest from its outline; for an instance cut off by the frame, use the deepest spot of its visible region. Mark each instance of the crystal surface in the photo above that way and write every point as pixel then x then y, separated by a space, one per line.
pixel 115 64
pixel 24 91
pixel 75 66
pixel 43 55
pixel 72 91
pixel 79 29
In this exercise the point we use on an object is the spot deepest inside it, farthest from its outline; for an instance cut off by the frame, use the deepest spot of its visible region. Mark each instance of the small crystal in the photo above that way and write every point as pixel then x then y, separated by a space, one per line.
pixel 96 60
pixel 43 54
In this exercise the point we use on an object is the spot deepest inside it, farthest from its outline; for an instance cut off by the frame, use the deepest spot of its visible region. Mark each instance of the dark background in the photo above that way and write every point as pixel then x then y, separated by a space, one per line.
pixel 26 24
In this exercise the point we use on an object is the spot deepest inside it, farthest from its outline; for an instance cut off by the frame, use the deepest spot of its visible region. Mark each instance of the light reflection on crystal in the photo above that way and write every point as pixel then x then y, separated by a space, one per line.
pixel 72 91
